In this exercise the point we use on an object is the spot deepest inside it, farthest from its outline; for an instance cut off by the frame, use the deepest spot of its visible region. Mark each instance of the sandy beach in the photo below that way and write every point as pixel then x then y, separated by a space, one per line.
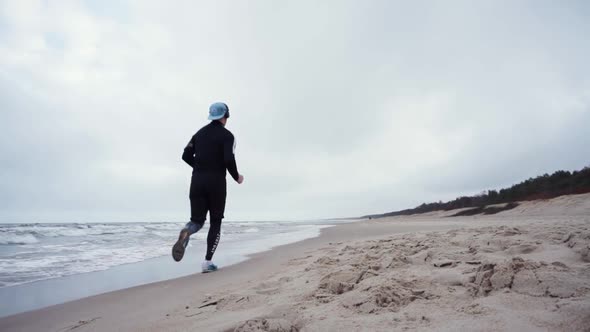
pixel 526 269
pixel 300 166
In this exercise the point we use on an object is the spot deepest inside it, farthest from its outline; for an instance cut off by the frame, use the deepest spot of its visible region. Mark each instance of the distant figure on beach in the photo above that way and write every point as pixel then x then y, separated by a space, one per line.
pixel 210 152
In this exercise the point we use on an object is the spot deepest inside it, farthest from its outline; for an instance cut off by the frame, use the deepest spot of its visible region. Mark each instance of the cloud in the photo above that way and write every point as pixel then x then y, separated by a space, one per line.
pixel 340 108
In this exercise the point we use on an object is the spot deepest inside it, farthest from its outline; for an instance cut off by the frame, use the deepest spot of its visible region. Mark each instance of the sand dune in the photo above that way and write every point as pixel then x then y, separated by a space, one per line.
pixel 571 205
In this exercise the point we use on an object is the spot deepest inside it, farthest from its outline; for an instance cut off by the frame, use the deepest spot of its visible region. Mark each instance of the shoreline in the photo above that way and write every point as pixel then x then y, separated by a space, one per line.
pixel 39 294
pixel 171 291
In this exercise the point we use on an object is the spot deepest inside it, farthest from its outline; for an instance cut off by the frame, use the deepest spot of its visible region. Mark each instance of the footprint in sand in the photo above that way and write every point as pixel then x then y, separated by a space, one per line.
pixel 522 249
pixel 382 295
pixel 266 324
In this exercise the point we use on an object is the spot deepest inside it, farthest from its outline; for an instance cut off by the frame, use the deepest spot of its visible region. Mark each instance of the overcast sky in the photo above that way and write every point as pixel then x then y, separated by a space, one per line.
pixel 340 108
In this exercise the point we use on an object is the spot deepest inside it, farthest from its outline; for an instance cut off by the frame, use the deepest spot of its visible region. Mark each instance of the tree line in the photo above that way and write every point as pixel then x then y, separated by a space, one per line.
pixel 542 187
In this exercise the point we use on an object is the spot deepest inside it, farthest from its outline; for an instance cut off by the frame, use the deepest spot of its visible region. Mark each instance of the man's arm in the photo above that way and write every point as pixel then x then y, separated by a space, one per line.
pixel 189 153
pixel 229 146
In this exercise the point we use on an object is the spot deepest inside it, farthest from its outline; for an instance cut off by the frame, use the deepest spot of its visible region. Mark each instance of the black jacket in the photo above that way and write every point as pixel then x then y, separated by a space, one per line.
pixel 211 150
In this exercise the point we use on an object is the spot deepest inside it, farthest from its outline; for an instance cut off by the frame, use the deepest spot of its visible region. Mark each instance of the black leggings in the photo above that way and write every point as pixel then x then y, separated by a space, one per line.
pixel 212 238
pixel 207 194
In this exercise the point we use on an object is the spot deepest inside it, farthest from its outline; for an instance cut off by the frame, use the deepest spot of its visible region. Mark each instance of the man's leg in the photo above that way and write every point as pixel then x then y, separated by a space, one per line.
pixel 189 229
pixel 213 238
pixel 199 206
pixel 217 197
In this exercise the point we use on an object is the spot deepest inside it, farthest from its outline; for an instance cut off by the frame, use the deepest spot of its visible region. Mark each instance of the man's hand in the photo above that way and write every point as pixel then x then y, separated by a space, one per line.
pixel 240 179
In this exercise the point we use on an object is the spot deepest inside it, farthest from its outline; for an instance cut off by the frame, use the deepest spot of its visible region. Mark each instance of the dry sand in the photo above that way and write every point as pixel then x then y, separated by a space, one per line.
pixel 527 269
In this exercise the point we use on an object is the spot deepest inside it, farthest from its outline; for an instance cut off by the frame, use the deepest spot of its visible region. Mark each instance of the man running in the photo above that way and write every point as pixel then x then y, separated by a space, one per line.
pixel 209 152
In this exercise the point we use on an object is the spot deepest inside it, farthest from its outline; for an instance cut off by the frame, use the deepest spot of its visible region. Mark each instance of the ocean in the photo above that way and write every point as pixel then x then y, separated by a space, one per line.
pixel 43 264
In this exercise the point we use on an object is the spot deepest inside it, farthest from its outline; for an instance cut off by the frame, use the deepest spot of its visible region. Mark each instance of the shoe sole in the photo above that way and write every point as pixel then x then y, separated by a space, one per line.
pixel 178 248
